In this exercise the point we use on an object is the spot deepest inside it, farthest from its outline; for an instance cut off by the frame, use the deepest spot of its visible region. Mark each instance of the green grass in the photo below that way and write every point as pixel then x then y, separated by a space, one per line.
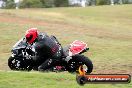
pixel 47 80
pixel 106 29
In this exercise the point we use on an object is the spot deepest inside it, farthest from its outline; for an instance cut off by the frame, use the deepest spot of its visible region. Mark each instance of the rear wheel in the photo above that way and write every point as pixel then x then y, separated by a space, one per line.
pixel 79 60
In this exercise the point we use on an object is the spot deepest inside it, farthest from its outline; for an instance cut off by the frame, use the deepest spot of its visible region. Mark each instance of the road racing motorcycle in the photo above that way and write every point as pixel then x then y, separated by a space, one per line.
pixel 21 57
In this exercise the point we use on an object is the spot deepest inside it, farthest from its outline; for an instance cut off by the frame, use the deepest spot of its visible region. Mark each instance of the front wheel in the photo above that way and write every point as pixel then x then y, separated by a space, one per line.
pixel 79 60
pixel 16 63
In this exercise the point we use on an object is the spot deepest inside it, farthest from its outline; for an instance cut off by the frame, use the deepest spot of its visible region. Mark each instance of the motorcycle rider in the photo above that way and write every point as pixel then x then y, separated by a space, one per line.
pixel 48 51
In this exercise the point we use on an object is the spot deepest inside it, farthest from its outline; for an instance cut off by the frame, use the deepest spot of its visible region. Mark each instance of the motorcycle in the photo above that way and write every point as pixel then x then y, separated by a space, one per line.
pixel 21 58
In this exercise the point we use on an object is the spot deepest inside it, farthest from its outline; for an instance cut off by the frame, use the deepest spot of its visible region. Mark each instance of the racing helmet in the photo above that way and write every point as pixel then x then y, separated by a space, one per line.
pixel 31 35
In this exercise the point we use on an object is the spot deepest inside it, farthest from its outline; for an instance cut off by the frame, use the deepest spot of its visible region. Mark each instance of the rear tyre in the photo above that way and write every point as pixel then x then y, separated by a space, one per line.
pixel 79 60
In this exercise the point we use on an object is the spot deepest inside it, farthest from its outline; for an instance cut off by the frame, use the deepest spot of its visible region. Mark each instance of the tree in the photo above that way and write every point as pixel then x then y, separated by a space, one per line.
pixel 48 3
pixel 102 2
pixel 31 4
pixel 120 1
pixel 59 3
pixel 9 4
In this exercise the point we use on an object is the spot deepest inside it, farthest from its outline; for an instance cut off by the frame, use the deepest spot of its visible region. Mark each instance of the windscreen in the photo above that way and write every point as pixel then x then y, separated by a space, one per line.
pixel 20 44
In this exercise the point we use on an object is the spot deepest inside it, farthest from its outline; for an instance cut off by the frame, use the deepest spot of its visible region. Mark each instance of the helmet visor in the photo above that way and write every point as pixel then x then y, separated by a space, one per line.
pixel 29 38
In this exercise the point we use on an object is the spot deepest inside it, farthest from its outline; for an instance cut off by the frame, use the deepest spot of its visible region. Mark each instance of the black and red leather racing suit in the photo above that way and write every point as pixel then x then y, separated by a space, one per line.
pixel 48 51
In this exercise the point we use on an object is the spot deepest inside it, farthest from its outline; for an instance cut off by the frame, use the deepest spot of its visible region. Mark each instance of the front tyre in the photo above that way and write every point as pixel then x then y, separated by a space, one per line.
pixel 12 63
pixel 16 63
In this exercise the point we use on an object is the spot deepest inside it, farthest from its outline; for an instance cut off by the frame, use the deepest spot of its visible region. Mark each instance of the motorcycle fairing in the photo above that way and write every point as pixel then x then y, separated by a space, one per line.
pixel 20 44
pixel 76 47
